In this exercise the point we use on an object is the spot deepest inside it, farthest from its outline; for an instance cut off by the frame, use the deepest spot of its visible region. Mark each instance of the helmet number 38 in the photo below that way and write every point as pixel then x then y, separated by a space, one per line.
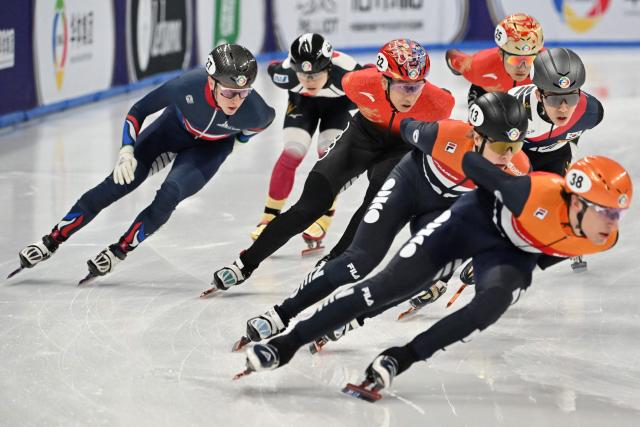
pixel 578 181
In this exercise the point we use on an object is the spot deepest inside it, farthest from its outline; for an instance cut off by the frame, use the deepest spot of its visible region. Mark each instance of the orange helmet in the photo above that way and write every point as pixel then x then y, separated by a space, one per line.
pixel 519 34
pixel 403 59
pixel 600 181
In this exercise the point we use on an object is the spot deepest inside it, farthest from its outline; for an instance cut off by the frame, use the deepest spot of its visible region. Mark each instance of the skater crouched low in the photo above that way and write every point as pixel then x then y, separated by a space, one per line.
pixel 206 111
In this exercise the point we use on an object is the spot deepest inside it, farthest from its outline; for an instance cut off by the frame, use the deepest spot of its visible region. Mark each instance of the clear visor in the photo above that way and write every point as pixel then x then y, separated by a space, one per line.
pixel 614 214
pixel 232 93
pixel 311 76
pixel 406 88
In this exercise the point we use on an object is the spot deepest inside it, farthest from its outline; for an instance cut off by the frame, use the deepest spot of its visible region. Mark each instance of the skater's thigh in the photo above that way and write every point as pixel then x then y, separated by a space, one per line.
pixel 344 159
pixel 194 167
pixel 161 136
pixel 301 114
pixel 504 266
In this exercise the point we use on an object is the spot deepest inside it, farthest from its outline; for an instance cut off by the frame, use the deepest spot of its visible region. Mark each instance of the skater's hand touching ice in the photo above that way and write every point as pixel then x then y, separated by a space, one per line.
pixel 123 173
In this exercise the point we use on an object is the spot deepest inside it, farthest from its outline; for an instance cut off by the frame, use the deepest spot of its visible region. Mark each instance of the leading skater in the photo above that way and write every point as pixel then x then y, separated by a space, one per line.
pixel 207 110
pixel 371 142
pixel 509 225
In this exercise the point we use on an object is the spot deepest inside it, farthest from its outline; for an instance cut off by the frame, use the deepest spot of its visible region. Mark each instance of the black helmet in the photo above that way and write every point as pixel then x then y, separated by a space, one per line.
pixel 499 116
pixel 558 70
pixel 232 65
pixel 310 53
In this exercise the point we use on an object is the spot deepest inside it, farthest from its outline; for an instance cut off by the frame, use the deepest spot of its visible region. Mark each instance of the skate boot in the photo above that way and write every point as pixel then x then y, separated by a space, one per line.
pixel 259 229
pixel 316 232
pixel 334 335
pixel 272 208
pixel 260 328
pixel 230 275
pixel 466 277
pixel 424 298
pixel 36 253
pixel 104 262
pixel 260 357
pixel 578 264
pixel 379 375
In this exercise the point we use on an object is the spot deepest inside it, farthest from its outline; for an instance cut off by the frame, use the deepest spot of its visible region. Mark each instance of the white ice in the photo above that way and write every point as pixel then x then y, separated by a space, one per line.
pixel 139 347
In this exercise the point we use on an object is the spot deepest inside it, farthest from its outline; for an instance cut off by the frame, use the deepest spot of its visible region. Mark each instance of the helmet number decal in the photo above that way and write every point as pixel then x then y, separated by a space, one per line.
pixel 578 181
pixel 210 66
pixel 500 36
pixel 381 62
pixel 476 116
pixel 327 49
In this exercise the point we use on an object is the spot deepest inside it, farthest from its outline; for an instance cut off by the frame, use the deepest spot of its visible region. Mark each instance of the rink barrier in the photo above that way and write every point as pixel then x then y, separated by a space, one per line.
pixel 15 118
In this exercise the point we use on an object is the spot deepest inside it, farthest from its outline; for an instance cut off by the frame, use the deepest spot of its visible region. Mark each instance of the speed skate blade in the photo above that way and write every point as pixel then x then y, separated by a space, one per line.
pixel 88 278
pixel 242 374
pixel 312 250
pixel 406 313
pixel 456 295
pixel 208 292
pixel 16 271
pixel 241 343
pixel 361 392
pixel 579 267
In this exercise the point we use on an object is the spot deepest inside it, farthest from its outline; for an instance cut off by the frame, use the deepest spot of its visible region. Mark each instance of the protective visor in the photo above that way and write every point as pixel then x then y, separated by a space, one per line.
pixel 614 214
pixel 517 60
pixel 502 147
pixel 556 99
pixel 232 93
pixel 406 88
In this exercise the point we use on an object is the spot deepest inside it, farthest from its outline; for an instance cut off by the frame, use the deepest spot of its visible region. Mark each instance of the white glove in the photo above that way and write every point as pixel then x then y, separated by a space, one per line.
pixel 125 167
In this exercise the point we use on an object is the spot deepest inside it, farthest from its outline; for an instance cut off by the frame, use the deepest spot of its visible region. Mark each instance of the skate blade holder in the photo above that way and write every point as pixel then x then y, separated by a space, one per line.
pixel 316 346
pixel 579 267
pixel 314 246
pixel 240 344
pixel 363 392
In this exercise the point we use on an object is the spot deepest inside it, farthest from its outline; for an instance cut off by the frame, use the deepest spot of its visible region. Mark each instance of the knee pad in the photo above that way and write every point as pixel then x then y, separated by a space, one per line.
pixel 296 141
pixel 488 306
pixel 325 139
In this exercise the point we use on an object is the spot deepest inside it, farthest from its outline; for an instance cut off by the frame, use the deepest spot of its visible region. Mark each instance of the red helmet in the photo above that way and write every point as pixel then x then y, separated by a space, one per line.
pixel 403 59
pixel 601 181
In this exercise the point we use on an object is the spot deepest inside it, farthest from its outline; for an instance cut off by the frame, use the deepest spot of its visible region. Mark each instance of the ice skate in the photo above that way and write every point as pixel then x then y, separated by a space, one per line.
pixel 578 264
pixel 265 326
pixel 313 237
pixel 466 277
pixel 35 253
pixel 259 229
pixel 424 298
pixel 224 278
pixel 334 335
pixel 379 375
pixel 260 357
pixel 103 263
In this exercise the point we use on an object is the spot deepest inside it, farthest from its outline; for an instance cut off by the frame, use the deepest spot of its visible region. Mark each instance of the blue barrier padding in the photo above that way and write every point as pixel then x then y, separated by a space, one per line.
pixel 21 116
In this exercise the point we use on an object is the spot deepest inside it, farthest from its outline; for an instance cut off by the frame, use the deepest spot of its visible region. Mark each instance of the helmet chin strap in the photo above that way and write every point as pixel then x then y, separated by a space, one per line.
pixel 387 93
pixel 481 148
pixel 580 217
pixel 213 91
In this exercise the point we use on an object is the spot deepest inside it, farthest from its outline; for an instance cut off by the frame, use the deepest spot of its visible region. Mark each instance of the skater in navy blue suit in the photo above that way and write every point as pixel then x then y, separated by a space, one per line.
pixel 206 111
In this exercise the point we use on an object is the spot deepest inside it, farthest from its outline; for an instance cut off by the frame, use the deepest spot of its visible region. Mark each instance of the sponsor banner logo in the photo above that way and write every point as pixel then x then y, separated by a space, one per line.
pixel 7 48
pixel 158 36
pixel 73 47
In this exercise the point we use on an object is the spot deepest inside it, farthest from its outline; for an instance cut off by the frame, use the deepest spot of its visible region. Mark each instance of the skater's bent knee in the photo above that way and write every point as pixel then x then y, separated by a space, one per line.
pixel 489 305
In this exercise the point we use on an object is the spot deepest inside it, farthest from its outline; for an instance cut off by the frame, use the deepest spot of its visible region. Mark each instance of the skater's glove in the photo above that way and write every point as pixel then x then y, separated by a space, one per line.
pixel 123 173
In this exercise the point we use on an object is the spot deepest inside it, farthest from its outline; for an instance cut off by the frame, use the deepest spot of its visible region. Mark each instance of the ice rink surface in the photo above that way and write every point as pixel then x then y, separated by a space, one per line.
pixel 139 347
